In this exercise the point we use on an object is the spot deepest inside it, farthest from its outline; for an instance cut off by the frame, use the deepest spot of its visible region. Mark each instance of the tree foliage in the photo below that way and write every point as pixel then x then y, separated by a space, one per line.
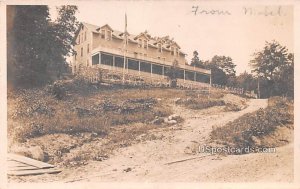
pixel 196 61
pixel 37 47
pixel 275 66
pixel 173 73
pixel 222 70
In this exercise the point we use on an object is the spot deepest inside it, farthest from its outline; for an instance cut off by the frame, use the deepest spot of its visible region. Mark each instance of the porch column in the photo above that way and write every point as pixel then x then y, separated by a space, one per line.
pixel 151 70
pixel 113 62
pixel 99 59
pixel 183 76
pixel 139 68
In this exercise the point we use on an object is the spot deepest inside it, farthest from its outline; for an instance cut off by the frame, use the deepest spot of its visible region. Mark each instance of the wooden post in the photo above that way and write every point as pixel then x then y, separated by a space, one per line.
pixel 113 62
pixel 99 59
pixel 139 68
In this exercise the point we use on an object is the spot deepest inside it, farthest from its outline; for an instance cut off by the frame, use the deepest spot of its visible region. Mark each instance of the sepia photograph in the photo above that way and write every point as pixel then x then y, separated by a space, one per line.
pixel 150 92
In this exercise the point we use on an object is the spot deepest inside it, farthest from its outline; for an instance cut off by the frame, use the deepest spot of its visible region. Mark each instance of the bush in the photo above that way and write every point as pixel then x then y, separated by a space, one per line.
pixel 243 131
pixel 200 103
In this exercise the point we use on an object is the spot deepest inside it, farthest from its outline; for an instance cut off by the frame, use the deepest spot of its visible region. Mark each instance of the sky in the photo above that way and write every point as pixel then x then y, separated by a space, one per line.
pixel 236 30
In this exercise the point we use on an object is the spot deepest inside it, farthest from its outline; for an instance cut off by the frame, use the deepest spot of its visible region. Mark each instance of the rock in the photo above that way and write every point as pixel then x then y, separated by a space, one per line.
pixel 166 120
pixel 174 117
pixel 158 121
pixel 176 100
pixel 172 122
pixel 256 141
pixel 127 170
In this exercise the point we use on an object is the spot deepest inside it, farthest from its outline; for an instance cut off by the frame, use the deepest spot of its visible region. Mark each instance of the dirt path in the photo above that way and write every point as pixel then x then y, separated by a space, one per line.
pixel 146 161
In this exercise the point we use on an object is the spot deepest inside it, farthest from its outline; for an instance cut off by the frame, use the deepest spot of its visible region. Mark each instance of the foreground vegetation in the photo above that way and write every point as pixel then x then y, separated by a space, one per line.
pixel 253 129
pixel 70 118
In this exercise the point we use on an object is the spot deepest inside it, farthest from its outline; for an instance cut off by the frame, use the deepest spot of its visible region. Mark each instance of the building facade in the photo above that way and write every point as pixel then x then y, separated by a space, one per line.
pixel 141 55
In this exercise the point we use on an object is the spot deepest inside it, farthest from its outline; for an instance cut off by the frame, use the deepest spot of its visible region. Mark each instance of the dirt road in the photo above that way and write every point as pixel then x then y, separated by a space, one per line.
pixel 147 161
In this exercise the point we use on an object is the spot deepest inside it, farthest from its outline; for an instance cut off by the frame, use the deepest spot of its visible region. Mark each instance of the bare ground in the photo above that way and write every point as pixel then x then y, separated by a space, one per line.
pixel 147 160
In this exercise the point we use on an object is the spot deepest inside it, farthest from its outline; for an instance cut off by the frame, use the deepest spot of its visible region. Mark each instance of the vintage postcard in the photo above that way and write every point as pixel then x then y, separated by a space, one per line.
pixel 149 94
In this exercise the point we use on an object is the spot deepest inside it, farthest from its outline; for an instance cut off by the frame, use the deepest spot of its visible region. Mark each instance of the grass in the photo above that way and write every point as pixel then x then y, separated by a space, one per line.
pixel 36 113
pixel 244 131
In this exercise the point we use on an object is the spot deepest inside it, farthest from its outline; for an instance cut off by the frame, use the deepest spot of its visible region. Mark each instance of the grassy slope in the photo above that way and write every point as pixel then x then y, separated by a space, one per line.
pixel 255 129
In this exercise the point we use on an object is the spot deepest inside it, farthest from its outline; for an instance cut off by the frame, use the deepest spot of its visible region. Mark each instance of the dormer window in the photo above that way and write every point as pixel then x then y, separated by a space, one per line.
pixel 103 34
pixel 140 43
pixel 108 37
pixel 159 47
pixel 172 50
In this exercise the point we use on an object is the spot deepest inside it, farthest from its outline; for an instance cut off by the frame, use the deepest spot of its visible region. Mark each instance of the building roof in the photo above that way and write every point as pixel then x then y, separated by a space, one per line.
pixel 152 41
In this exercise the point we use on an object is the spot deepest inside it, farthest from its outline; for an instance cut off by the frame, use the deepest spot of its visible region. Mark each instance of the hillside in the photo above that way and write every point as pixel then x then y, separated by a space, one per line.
pixel 116 134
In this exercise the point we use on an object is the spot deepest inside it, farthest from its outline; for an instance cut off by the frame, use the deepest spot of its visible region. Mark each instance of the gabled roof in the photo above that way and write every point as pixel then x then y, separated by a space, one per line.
pixel 106 25
pixel 152 41
pixel 147 36
pixel 90 26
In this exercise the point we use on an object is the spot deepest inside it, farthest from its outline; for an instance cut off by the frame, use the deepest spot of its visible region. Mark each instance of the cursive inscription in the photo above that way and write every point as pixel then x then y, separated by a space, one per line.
pixel 198 11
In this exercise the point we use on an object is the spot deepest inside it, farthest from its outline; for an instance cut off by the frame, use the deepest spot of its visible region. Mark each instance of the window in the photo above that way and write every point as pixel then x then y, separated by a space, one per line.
pixel 145 44
pixel 81 51
pixel 202 78
pixel 103 34
pixel 79 39
pixel 157 69
pixel 75 56
pixel 176 52
pixel 108 37
pixel 88 48
pixel 145 67
pixel 172 50
pixel 133 64
pixel 181 74
pixel 87 62
pixel 119 62
pixel 95 59
pixel 189 75
pixel 85 36
pixel 159 47
pixel 140 42
pixel 106 59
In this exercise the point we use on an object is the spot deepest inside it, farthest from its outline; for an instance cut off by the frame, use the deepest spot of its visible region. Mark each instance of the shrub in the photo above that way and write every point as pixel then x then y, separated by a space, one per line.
pixel 243 131
pixel 200 103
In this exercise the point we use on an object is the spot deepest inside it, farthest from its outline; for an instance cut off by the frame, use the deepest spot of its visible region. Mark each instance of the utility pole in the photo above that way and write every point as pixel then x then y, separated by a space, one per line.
pixel 258 87
pixel 125 49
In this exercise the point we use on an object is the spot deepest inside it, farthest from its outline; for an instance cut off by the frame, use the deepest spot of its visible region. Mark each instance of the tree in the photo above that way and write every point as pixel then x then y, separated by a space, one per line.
pixel 173 73
pixel 28 44
pixel 222 70
pixel 64 29
pixel 246 81
pixel 226 64
pixel 274 65
pixel 36 45
pixel 196 61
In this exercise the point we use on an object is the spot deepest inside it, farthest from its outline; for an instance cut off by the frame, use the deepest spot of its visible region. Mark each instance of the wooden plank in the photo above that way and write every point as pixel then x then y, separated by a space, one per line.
pixel 29 161
pixel 16 164
pixel 187 159
pixel 28 167
pixel 33 172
